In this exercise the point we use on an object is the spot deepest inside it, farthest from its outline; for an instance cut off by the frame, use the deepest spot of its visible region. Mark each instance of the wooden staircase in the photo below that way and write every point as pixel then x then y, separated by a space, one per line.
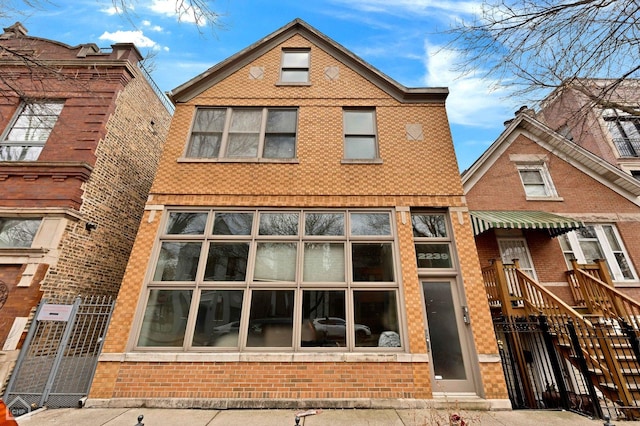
pixel 598 336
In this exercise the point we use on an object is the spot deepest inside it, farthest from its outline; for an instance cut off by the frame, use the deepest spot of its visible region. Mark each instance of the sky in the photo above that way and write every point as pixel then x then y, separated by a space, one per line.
pixel 404 39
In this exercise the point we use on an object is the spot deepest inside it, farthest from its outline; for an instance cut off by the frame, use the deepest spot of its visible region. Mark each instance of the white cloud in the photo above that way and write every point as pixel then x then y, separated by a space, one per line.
pixel 179 10
pixel 472 101
pixel 421 7
pixel 110 10
pixel 135 37
pixel 147 24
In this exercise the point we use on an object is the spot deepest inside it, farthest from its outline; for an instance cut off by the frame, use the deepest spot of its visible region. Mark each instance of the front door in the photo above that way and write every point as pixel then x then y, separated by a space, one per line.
pixel 446 333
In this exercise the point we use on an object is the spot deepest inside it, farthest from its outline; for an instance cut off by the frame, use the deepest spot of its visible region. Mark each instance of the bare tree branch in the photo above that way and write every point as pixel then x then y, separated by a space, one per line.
pixel 535 46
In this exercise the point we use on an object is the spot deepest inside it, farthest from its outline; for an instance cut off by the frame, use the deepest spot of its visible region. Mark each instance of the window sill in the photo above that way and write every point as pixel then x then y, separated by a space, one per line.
pixel 361 161
pixel 238 160
pixel 262 357
pixel 530 198
pixel 292 83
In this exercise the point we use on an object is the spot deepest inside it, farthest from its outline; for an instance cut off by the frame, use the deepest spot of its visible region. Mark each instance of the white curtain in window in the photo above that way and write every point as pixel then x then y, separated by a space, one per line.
pixel 275 262
pixel 323 262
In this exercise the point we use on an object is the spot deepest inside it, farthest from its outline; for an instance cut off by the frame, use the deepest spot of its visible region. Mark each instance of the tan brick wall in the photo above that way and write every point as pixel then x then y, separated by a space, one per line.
pixel 413 174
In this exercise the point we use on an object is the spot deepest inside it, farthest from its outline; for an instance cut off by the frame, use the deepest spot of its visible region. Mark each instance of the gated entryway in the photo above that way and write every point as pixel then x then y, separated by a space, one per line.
pixel 59 356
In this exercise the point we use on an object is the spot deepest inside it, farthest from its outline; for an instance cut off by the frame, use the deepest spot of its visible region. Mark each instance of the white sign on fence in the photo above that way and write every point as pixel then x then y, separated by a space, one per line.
pixel 51 312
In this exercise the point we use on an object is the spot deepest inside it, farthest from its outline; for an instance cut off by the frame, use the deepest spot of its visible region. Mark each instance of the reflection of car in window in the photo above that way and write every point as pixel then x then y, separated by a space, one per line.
pixel 333 327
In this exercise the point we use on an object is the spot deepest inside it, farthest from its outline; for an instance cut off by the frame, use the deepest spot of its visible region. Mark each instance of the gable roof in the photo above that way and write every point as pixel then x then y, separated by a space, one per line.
pixel 218 72
pixel 582 159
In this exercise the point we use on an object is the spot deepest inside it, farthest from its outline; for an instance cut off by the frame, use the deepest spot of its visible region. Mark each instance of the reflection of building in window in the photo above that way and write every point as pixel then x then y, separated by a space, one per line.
pixel 432 241
pixel 248 269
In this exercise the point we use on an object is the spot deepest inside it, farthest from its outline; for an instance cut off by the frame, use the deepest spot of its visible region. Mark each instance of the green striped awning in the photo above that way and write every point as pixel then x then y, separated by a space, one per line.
pixel 484 220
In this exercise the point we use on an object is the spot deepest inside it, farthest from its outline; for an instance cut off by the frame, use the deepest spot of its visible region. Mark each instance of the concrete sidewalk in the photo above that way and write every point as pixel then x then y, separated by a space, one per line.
pixel 332 417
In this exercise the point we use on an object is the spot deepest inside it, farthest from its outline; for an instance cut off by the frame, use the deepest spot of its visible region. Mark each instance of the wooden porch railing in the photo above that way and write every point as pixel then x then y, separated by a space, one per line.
pixel 595 291
pixel 515 294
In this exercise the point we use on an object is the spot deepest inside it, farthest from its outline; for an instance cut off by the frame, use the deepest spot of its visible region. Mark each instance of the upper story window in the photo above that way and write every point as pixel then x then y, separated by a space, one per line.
pixel 536 181
pixel 360 136
pixel 625 132
pixel 599 241
pixel 246 280
pixel 295 66
pixel 25 137
pixel 432 241
pixel 18 232
pixel 244 133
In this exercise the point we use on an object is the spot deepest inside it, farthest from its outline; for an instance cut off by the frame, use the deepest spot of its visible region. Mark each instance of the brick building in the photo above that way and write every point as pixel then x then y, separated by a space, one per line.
pixel 538 197
pixel 305 208
pixel 611 133
pixel 82 130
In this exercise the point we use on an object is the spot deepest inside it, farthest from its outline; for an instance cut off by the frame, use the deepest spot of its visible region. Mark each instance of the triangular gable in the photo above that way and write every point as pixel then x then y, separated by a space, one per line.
pixel 210 77
pixel 580 158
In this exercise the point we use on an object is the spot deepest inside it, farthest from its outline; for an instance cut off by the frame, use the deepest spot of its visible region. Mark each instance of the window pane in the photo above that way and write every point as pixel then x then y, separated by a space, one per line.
pixel 278 224
pixel 20 153
pixel 177 262
pixel 279 146
pixel 591 250
pixel 370 224
pixel 218 320
pixel 295 76
pixel 165 318
pixel 323 318
pixel 275 262
pixel 182 223
pixel 429 225
pixel 204 145
pixel 372 262
pixel 531 176
pixel 362 147
pixel 295 59
pixel 324 224
pixel 324 262
pixel 536 190
pixel 358 123
pixel 242 145
pixel 281 121
pixel 227 262
pixel 246 120
pixel 209 120
pixel 376 318
pixel 433 256
pixel 621 259
pixel 232 224
pixel 611 238
pixel 271 318
pixel 18 232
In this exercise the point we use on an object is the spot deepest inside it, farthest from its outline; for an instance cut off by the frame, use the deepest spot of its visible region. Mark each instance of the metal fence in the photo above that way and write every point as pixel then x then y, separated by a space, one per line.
pixel 59 356
pixel 543 373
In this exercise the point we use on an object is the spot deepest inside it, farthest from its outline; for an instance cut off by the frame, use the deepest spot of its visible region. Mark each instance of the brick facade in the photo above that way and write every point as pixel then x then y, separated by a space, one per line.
pixel 581 194
pixel 413 174
pixel 96 167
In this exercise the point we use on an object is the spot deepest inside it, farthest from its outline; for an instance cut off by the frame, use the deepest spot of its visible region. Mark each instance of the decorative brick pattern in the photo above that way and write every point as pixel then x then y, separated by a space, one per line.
pixel 415 174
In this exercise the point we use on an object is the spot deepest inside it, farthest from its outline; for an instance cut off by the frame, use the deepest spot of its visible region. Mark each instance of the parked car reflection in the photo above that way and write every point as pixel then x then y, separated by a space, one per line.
pixel 336 328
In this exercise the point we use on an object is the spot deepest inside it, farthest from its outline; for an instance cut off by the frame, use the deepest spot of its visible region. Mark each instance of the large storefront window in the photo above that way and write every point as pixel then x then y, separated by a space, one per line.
pixel 289 280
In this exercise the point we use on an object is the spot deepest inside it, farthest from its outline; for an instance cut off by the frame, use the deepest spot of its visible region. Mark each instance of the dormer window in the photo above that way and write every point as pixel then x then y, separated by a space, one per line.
pixel 295 66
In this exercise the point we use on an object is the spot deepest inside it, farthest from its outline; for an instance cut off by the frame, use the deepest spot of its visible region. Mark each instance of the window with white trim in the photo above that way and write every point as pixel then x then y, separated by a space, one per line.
pixel 29 131
pixel 243 133
pixel 293 280
pixel 625 132
pixel 432 241
pixel 295 66
pixel 18 232
pixel 360 136
pixel 600 241
pixel 536 181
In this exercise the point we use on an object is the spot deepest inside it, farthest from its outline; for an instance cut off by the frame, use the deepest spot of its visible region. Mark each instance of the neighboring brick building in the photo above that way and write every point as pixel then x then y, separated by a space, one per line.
pixel 612 134
pixel 530 172
pixel 82 131
pixel 305 206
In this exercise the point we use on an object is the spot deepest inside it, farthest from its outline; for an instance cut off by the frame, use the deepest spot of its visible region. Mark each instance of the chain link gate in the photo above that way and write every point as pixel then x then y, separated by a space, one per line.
pixel 59 356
